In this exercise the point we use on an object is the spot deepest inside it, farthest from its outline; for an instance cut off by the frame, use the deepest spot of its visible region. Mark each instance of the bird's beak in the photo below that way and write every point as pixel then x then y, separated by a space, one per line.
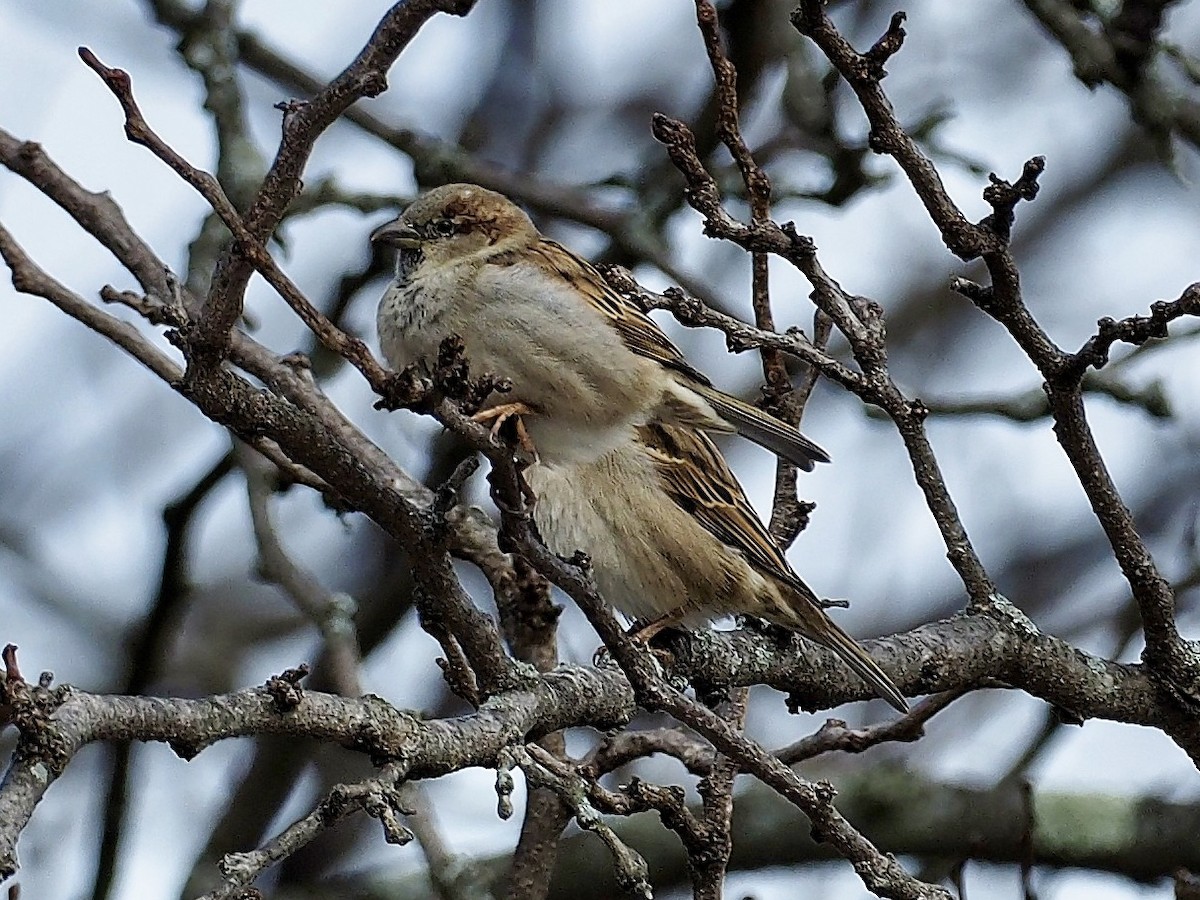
pixel 396 233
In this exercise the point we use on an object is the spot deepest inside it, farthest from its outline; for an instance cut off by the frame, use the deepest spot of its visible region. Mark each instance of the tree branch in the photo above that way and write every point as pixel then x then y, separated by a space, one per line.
pixel 72 719
pixel 1177 661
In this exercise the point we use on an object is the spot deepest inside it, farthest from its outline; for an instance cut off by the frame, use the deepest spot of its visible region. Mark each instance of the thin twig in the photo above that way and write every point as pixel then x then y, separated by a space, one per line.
pixel 1002 300
pixel 835 735
pixel 251 248
pixel 332 613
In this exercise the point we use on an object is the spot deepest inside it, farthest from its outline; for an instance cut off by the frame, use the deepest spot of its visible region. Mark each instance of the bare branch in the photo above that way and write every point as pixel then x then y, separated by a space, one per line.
pixel 542 770
pixel 366 76
pixel 379 797
pixel 880 873
pixel 1135 330
pixel 420 749
pixel 1175 659
pixel 710 859
pixel 332 613
pixel 28 278
pixel 859 319
pixel 835 735
pixel 252 249
pixel 621 749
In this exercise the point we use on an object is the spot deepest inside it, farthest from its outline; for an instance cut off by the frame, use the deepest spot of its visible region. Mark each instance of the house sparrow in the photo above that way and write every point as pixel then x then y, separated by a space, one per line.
pixel 585 363
pixel 673 540
pixel 617 415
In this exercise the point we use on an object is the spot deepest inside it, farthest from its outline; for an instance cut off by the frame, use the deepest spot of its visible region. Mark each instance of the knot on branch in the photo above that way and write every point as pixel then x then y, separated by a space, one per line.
pixel 29 708
pixel 452 377
pixel 870 313
pixel 687 308
pixel 285 688
pixel 811 20
pixel 14 690
pixel 982 296
pixel 1003 197
pixel 371 83
pixel 802 247
pixel 449 377
pixel 533 609
pixel 406 389
pixel 701 192
pixel 386 803
pixel 885 48
pixel 187 750
pixel 737 343
pixel 883 141
pixel 621 280
pixel 290 109
pixel 505 785
pixel 672 133
pixel 581 561
pixel 383 731
pixel 1175 667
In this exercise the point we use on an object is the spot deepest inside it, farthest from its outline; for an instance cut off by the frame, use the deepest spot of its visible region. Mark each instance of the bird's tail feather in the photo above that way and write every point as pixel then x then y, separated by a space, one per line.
pixel 853 655
pixel 764 429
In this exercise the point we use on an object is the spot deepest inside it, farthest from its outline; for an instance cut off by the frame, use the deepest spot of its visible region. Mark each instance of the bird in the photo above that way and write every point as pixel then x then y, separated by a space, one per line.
pixel 625 469
pixel 584 361
pixel 674 541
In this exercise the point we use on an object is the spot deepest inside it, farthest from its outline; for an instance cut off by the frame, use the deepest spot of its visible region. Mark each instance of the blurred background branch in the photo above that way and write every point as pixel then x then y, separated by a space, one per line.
pixel 135 568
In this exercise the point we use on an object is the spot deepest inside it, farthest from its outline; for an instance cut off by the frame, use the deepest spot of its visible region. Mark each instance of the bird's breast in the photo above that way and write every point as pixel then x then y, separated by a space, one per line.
pixel 409 319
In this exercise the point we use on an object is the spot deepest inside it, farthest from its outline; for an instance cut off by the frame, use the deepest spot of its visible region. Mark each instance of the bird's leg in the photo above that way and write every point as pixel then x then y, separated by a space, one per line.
pixel 643 630
pixel 501 414
pixel 525 442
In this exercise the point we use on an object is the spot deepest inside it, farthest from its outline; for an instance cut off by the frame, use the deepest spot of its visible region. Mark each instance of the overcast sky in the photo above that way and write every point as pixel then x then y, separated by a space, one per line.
pixel 92 446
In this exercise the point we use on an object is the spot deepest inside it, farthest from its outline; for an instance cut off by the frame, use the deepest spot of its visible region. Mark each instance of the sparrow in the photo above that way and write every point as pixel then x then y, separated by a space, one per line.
pixel 625 469
pixel 585 362
pixel 674 541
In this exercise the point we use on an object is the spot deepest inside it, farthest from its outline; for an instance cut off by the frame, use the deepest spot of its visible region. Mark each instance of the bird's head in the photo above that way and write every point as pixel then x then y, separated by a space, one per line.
pixel 454 223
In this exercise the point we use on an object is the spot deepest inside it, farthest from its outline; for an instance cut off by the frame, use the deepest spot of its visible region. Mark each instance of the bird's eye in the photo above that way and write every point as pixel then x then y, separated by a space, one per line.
pixel 444 227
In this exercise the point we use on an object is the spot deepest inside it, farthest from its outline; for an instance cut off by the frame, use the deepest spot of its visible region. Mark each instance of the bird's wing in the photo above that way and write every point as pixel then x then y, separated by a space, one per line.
pixel 643 337
pixel 637 330
pixel 695 475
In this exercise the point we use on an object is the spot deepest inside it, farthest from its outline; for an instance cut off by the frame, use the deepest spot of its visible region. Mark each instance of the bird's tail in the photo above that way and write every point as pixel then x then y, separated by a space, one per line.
pixel 832 637
pixel 763 428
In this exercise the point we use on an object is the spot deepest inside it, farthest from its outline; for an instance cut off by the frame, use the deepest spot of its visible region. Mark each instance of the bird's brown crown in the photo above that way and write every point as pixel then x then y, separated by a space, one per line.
pixel 468 211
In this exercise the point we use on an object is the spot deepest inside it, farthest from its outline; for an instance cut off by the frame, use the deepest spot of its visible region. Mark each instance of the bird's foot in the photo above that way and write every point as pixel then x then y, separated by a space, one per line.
pixel 500 414
pixel 642 631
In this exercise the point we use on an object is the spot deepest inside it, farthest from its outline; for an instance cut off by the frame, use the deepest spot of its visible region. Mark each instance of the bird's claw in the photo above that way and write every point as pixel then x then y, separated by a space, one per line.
pixel 500 414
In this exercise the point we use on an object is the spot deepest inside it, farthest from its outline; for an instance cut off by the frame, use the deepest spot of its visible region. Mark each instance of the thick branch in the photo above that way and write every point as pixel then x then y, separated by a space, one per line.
pixel 422 749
